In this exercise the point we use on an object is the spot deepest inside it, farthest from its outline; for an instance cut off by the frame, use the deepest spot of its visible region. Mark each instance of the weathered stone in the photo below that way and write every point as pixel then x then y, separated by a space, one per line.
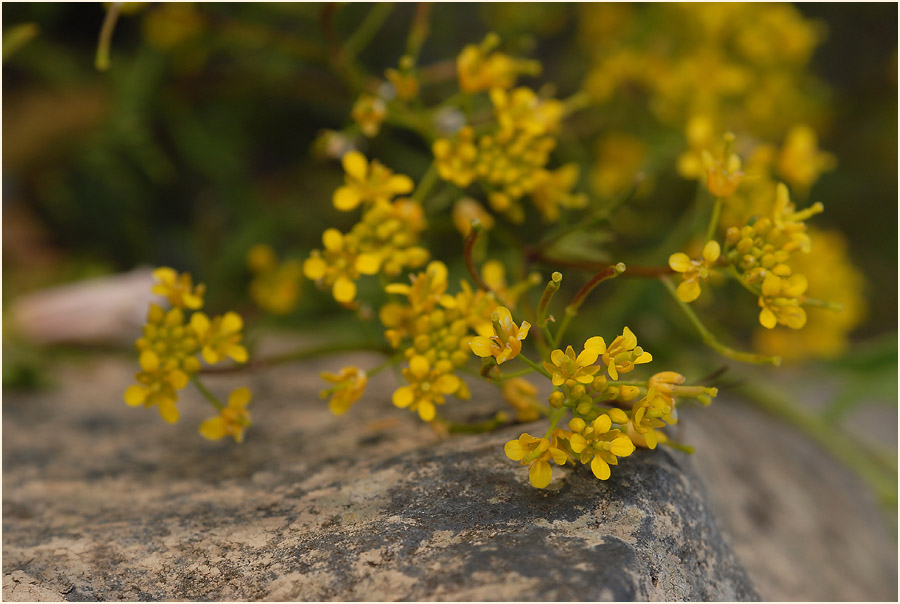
pixel 102 501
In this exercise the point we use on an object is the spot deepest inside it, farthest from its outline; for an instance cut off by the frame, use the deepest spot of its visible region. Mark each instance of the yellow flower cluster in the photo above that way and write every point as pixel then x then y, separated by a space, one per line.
pixel 275 287
pixel 384 241
pixel 369 112
pixel 233 420
pixel 694 271
pixel 831 277
pixel 762 251
pixel 744 64
pixel 511 160
pixel 588 385
pixel 349 386
pixel 432 328
pixel 170 344
pixel 481 67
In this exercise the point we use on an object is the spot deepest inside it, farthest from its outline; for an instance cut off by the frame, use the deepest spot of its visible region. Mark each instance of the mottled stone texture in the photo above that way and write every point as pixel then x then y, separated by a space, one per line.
pixel 101 501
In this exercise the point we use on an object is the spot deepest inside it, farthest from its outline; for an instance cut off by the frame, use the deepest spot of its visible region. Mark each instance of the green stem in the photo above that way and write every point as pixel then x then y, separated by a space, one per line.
pixel 714 219
pixel 101 62
pixel 468 247
pixel 426 183
pixel 514 374
pixel 534 366
pixel 477 427
pixel 299 355
pixel 418 31
pixel 710 340
pixel 370 25
pixel 206 393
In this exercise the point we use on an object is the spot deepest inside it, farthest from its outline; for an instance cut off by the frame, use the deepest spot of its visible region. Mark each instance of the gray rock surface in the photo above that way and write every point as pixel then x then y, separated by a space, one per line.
pixel 101 501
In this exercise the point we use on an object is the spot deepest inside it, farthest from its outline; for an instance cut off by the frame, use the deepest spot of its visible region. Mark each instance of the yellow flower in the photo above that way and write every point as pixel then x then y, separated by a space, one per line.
pixel 384 241
pixel 506 344
pixel 833 277
pixel 599 444
pixel 553 190
pixel 567 368
pixel 465 211
pixel 232 421
pixel 178 288
pixel 456 159
pixel 780 301
pixel 428 385
pixel 276 287
pixel 520 394
pixel 220 338
pixel 368 183
pixel 645 419
pixel 167 358
pixel 480 69
pixel 404 81
pixel 369 112
pixel 723 173
pixel 622 355
pixel 694 271
pixel 522 109
pixel 800 162
pixel 350 385
pixel 536 453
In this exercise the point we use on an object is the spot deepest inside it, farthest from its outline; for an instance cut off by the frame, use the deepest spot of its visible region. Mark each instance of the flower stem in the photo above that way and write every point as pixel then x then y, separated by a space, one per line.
pixel 370 25
pixel 710 340
pixel 534 365
pixel 206 393
pixel 468 246
pixel 426 183
pixel 101 61
pixel 714 219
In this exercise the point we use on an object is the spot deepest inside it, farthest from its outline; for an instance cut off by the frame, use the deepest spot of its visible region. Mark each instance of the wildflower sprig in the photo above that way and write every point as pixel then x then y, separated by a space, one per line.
pixel 171 349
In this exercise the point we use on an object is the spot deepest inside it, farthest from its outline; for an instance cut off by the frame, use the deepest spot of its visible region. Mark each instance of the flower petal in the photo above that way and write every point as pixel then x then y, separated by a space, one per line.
pixel 540 474
pixel 600 468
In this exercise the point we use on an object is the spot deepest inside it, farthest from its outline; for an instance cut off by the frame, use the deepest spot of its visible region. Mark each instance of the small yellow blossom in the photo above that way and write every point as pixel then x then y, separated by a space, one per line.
pixel 178 288
pixel 599 444
pixel 232 421
pixel 481 68
pixel 220 338
pixel 168 350
pixel 428 385
pixel 521 396
pixel 694 271
pixel 275 287
pixel 780 301
pixel 368 183
pixel 465 211
pixel 506 344
pixel 369 112
pixel 350 384
pixel 537 453
pixel 800 162
pixel 404 81
pixel 723 173
pixel 622 355
pixel 567 368
pixel 553 190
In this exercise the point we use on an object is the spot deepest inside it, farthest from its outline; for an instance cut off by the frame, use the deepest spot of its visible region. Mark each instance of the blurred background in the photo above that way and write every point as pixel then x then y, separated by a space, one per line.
pixel 209 133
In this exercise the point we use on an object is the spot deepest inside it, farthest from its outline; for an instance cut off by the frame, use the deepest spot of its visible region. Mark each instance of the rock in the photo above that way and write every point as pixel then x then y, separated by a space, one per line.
pixel 102 501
